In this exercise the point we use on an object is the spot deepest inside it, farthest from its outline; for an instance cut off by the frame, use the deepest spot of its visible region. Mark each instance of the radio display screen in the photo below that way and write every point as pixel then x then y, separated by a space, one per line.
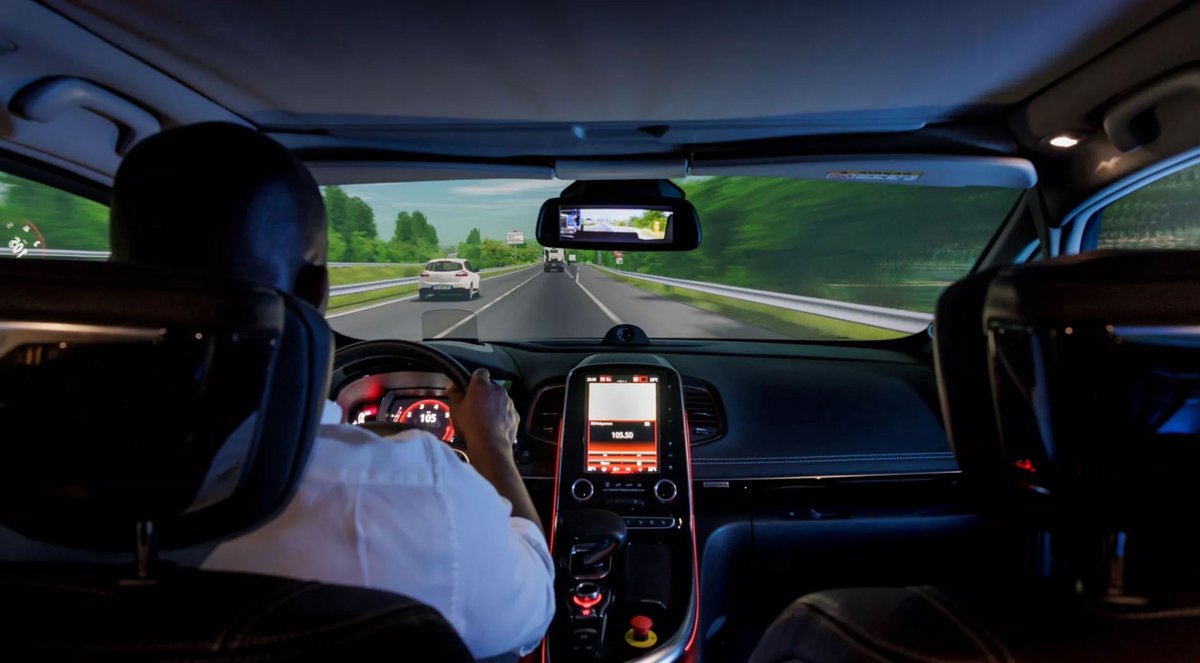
pixel 622 414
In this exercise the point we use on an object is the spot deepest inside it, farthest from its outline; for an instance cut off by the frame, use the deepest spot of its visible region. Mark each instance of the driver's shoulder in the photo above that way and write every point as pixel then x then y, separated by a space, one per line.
pixel 346 454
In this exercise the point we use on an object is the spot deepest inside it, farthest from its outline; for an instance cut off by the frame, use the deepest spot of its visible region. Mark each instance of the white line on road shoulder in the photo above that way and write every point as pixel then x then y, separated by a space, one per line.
pixel 356 310
pixel 607 311
pixel 490 304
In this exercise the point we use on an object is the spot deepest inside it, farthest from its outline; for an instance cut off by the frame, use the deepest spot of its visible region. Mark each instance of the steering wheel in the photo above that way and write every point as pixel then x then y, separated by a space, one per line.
pixel 369 357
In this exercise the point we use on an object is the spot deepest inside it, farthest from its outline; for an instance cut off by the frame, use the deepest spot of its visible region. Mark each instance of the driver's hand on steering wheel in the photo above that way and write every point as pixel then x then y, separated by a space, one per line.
pixel 484 417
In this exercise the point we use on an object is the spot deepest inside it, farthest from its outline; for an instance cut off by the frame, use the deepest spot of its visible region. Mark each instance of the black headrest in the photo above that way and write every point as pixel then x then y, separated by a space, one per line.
pixel 1071 387
pixel 222 200
pixel 118 384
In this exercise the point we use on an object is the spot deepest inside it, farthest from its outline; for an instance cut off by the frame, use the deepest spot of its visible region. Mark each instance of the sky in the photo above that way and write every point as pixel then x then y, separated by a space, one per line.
pixel 454 207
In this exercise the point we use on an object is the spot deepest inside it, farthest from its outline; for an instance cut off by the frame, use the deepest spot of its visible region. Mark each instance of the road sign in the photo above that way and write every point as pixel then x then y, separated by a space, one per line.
pixel 515 237
pixel 620 261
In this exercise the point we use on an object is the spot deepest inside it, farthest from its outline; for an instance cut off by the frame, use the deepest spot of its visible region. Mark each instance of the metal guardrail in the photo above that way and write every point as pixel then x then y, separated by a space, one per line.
pixel 347 289
pixel 68 254
pixel 875 316
pixel 73 254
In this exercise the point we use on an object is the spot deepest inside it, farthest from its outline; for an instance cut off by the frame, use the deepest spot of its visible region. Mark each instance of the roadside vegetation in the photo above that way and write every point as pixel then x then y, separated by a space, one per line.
pixel 879 244
pixel 792 324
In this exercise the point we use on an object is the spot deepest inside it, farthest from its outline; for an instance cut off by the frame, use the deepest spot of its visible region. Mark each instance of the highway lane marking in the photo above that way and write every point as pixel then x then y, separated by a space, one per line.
pixel 367 308
pixel 607 311
pixel 402 299
pixel 484 308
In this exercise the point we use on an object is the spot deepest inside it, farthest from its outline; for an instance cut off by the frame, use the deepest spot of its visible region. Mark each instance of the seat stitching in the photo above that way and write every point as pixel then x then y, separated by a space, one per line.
pixel 977 631
pixel 1170 613
pixel 833 614
pixel 838 629
pixel 266 640
pixel 225 639
pixel 379 615
pixel 59 586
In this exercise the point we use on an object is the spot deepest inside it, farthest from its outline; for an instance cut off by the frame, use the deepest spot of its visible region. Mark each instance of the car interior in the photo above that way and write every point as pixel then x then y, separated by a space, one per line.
pixel 960 434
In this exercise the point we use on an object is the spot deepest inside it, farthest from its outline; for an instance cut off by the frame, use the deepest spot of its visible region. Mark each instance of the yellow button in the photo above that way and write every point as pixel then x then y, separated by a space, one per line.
pixel 650 641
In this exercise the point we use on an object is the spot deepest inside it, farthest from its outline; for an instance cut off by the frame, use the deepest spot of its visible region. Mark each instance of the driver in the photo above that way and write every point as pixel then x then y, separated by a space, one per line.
pixel 403 515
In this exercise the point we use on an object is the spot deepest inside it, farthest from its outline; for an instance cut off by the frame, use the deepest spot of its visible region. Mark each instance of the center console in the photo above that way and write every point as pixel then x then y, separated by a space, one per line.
pixel 622 537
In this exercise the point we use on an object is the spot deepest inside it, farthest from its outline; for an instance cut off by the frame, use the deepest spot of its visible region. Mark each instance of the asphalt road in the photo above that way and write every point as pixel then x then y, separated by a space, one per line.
pixel 581 302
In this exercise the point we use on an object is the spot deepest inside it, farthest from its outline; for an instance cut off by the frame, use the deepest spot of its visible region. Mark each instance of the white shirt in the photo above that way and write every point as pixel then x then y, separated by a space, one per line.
pixel 401 514
pixel 405 515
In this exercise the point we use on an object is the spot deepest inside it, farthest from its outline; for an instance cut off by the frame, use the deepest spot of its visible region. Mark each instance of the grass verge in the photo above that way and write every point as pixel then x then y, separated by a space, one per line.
pixel 343 302
pixel 366 274
pixel 792 324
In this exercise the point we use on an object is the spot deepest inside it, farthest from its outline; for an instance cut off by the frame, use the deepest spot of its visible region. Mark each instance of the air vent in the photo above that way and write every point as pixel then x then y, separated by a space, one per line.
pixel 705 420
pixel 546 414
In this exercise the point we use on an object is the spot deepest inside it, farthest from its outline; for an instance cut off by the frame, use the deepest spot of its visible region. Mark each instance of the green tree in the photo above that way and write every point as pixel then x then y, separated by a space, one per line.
pixel 402 234
pixel 337 205
pixel 337 248
pixel 362 218
pixel 473 236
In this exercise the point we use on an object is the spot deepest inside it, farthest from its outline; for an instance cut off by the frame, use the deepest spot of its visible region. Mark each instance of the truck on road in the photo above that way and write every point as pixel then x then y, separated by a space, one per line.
pixel 553 260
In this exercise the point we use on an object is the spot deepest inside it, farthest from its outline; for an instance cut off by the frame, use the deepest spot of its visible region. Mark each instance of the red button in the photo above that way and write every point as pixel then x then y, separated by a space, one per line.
pixel 641 627
pixel 586 603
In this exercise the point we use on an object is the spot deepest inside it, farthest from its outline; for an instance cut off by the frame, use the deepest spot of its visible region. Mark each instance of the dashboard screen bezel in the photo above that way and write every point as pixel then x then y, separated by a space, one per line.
pixel 631 379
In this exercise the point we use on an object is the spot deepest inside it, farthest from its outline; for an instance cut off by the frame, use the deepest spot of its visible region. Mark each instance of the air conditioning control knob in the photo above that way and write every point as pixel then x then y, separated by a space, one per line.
pixel 582 490
pixel 665 491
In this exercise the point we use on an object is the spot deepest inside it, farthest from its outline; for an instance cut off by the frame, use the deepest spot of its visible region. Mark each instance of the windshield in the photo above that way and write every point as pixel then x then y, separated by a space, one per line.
pixel 781 259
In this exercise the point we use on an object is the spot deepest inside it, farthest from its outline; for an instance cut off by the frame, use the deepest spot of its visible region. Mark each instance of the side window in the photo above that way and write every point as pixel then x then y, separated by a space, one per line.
pixel 468 266
pixel 37 220
pixel 1161 215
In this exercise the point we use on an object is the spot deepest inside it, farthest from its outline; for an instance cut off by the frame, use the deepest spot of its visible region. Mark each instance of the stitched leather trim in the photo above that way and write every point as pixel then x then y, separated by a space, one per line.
pixel 831 613
pixel 977 632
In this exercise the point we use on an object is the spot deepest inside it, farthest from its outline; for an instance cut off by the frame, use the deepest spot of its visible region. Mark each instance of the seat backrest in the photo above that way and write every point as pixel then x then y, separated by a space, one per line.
pixel 118 386
pixel 87 613
pixel 1071 391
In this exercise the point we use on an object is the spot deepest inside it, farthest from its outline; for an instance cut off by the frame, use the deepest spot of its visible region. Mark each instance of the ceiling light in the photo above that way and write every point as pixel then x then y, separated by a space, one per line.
pixel 1064 141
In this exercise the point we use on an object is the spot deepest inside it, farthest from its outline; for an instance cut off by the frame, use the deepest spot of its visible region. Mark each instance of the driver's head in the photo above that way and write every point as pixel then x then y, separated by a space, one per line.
pixel 225 201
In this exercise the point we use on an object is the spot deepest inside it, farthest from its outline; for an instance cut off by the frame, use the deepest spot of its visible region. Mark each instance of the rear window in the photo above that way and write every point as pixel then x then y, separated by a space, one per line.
pixel 443 266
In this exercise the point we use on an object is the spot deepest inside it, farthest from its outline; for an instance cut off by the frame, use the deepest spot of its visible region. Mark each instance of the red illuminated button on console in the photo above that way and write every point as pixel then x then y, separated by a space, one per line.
pixel 586 595
pixel 641 627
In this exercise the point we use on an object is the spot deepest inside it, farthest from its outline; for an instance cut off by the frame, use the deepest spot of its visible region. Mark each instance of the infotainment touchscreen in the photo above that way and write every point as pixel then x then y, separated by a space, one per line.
pixel 622 413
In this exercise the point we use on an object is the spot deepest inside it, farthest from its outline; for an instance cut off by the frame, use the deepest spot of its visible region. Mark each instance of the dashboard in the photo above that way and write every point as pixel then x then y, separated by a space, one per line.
pixel 756 411
pixel 831 454
pixel 424 411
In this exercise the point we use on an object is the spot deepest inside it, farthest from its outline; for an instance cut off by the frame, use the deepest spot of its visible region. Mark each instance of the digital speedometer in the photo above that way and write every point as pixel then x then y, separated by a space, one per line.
pixel 430 414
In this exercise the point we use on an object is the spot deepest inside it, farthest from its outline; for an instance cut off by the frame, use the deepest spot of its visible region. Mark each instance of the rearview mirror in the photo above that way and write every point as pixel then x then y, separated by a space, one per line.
pixel 638 215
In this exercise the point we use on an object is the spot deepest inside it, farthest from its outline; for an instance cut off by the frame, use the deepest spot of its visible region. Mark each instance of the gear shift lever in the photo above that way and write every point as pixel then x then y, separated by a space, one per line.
pixel 602 532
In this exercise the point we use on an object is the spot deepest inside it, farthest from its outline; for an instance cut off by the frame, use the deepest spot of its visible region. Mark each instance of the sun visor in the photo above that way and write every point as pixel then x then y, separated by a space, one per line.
pixel 919 170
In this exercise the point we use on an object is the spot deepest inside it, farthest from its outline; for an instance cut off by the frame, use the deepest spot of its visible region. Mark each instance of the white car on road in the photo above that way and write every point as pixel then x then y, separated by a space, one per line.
pixel 448 276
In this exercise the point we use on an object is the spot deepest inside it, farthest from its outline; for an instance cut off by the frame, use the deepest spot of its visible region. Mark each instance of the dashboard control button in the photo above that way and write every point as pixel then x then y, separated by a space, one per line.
pixel 640 634
pixel 665 490
pixel 641 627
pixel 586 594
pixel 582 490
pixel 584 639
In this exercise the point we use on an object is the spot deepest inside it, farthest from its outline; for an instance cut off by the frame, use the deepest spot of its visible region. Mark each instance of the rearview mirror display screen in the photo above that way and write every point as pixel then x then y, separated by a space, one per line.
pixel 622 412
pixel 633 225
